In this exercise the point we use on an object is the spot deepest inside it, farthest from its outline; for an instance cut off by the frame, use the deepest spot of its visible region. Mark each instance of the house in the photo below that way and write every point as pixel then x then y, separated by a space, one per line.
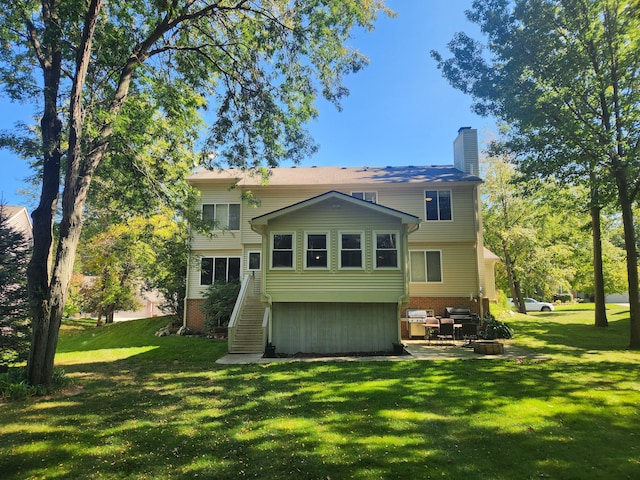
pixel 331 258
pixel 18 220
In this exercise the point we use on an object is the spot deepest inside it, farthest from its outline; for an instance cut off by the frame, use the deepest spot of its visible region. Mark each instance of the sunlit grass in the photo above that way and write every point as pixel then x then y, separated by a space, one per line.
pixel 159 407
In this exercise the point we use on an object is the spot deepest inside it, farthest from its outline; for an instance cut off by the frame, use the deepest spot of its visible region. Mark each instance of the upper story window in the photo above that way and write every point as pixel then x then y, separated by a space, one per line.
pixel 351 250
pixel 226 215
pixel 438 204
pixel 368 196
pixel 386 250
pixel 219 269
pixel 317 252
pixel 426 266
pixel 282 250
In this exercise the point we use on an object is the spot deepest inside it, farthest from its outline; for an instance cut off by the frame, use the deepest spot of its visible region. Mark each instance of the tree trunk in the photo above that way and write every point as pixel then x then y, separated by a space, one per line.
pixel 38 272
pixel 632 260
pixel 598 274
pixel 47 292
pixel 514 285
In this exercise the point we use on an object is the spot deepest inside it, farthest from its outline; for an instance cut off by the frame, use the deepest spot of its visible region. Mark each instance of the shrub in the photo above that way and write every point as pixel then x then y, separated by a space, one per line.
pixel 219 300
pixel 563 297
pixel 14 385
pixel 493 329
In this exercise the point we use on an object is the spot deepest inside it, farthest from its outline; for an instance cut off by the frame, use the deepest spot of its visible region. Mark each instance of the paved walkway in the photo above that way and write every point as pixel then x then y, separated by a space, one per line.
pixel 417 349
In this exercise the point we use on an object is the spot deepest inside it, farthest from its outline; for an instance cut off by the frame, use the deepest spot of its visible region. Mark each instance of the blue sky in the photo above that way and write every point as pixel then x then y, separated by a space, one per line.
pixel 400 110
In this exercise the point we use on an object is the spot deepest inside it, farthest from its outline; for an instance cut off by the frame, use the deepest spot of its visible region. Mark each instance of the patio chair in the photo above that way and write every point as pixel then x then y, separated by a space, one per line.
pixel 432 328
pixel 446 330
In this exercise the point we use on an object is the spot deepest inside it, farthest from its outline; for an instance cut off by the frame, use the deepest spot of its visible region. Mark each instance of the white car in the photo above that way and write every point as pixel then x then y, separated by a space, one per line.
pixel 533 305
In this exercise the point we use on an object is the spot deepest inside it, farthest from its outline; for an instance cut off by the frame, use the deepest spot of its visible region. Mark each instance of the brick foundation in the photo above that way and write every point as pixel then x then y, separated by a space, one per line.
pixel 195 317
pixel 438 304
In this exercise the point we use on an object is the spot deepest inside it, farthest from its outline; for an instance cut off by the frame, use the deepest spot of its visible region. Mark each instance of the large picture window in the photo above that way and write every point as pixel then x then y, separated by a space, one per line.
pixel 225 216
pixel 351 250
pixel 386 250
pixel 282 250
pixel 426 266
pixel 438 204
pixel 219 269
pixel 317 252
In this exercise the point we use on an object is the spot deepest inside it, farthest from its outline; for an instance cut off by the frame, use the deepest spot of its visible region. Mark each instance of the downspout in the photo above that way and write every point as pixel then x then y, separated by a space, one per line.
pixel 186 286
pixel 406 296
pixel 479 245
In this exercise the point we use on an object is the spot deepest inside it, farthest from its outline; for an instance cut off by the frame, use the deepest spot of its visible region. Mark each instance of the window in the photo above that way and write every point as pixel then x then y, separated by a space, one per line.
pixel 317 252
pixel 426 267
pixel 219 269
pixel 282 250
pixel 438 204
pixel 386 250
pixel 254 261
pixel 368 196
pixel 351 250
pixel 227 215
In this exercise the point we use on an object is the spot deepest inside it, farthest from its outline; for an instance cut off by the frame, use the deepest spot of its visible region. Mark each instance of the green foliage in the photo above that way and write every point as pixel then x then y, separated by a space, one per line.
pixel 563 75
pixel 219 300
pixel 14 385
pixel 15 328
pixel 492 329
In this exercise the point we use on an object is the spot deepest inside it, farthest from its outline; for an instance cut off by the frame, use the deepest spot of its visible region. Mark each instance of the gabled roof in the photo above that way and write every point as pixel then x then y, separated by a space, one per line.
pixel 337 175
pixel 18 219
pixel 405 218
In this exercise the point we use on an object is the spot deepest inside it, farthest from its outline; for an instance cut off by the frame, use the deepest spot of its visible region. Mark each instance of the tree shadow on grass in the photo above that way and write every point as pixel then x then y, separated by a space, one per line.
pixel 462 419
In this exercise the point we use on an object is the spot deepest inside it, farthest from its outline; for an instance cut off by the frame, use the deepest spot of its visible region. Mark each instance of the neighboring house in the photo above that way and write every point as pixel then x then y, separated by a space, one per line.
pixel 332 257
pixel 18 220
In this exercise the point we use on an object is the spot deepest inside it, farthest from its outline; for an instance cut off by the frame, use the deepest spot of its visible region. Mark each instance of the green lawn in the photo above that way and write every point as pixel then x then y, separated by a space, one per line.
pixel 159 407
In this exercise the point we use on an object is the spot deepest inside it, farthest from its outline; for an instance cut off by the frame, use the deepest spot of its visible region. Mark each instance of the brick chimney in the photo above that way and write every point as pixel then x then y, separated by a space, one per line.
pixel 465 151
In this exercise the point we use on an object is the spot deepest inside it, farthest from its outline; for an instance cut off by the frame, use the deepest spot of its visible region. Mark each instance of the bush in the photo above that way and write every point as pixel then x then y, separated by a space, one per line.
pixel 14 385
pixel 219 300
pixel 493 329
pixel 563 297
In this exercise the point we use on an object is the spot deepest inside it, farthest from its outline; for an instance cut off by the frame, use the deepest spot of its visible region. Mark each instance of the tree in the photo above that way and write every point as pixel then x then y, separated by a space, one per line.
pixel 564 75
pixel 15 329
pixel 96 65
pixel 535 228
pixel 114 258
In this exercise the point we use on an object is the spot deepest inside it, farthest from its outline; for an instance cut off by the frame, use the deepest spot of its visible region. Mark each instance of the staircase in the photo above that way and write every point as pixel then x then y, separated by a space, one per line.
pixel 248 335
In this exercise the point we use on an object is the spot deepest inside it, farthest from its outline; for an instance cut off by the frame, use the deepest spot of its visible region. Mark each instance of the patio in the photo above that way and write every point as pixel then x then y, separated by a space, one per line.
pixel 416 349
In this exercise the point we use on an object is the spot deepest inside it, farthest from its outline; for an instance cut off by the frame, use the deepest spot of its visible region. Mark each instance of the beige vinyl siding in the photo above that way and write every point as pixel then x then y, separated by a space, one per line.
pixel 334 327
pixel 194 288
pixel 404 197
pixel 334 284
pixel 459 272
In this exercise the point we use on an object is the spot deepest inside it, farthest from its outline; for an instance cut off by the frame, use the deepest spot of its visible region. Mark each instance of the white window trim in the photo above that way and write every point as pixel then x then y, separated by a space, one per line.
pixel 424 202
pixel 217 227
pixel 362 257
pixel 365 192
pixel 249 269
pixel 293 253
pixel 306 245
pixel 375 248
pixel 425 266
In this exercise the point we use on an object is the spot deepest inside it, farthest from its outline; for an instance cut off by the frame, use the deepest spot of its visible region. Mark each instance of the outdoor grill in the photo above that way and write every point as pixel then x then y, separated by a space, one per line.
pixel 416 320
